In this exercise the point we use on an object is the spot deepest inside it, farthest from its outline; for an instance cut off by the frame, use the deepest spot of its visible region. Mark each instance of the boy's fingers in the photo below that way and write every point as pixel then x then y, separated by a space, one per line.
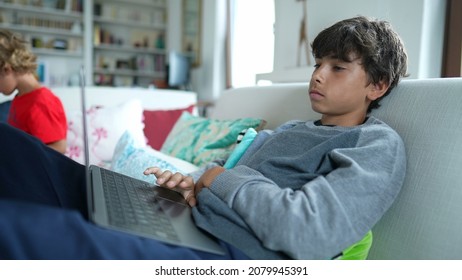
pixel 163 177
pixel 190 198
pixel 151 170
pixel 175 180
pixel 188 182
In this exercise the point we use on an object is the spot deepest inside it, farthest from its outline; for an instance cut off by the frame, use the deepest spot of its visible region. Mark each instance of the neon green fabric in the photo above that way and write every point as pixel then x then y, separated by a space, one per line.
pixel 359 250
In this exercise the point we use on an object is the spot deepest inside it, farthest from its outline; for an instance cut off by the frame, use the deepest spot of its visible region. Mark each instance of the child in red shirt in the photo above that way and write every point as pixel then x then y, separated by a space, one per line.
pixel 35 109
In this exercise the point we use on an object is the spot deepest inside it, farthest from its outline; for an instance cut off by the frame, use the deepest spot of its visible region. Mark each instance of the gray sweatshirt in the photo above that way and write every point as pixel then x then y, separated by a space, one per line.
pixel 305 191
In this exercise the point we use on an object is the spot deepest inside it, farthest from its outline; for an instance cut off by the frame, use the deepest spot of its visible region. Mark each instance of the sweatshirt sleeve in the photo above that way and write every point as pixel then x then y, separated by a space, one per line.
pixel 328 213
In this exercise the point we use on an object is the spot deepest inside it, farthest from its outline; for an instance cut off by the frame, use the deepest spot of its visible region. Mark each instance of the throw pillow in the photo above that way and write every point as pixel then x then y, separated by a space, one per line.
pixel 131 158
pixel 159 123
pixel 200 140
pixel 105 126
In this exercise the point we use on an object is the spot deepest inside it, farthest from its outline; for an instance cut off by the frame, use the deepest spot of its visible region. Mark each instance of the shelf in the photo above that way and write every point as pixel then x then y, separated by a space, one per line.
pixel 128 49
pixel 138 3
pixel 127 23
pixel 130 73
pixel 42 11
pixel 55 52
pixel 33 29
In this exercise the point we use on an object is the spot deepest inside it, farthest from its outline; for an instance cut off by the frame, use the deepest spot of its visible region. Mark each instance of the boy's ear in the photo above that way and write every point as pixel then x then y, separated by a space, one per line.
pixel 377 90
pixel 6 68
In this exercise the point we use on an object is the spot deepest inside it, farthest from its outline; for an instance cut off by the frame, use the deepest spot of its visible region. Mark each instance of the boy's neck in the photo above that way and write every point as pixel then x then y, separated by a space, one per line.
pixel 27 83
pixel 342 121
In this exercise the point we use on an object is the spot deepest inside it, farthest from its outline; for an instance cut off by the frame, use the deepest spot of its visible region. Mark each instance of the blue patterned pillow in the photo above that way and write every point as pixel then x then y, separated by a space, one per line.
pixel 132 160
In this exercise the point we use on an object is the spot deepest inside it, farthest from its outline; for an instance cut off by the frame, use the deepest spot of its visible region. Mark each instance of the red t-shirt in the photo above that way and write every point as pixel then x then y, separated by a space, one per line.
pixel 39 113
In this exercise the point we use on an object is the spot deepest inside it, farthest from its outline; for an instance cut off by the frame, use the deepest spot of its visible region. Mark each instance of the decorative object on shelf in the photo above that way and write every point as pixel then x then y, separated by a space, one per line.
pixel 191 30
pixel 303 40
pixel 160 41
pixel 43 72
pixel 37 42
pixel 76 27
pixel 60 44
pixel 97 9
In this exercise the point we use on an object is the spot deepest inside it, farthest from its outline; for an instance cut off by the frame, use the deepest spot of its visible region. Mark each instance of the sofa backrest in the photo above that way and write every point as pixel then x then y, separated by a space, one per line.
pixel 275 104
pixel 424 222
pixel 154 99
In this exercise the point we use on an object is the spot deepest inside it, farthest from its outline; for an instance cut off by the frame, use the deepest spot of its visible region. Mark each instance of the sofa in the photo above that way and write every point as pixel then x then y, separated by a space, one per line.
pixel 424 222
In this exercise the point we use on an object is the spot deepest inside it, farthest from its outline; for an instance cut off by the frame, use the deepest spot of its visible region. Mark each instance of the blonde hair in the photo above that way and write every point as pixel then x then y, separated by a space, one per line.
pixel 14 52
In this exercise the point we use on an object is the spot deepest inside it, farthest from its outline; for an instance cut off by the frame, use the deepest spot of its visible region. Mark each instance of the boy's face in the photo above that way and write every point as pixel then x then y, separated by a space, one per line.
pixel 7 81
pixel 340 91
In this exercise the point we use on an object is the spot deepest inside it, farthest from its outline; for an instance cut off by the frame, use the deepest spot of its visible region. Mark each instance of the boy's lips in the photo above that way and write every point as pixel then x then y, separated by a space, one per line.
pixel 316 95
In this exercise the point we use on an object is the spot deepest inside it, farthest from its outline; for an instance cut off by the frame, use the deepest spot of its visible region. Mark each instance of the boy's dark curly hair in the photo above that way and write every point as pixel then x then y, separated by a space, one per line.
pixel 380 48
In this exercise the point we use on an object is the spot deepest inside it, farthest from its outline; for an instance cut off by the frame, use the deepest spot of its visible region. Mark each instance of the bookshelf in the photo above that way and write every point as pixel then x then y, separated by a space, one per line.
pixel 54 30
pixel 120 42
pixel 129 42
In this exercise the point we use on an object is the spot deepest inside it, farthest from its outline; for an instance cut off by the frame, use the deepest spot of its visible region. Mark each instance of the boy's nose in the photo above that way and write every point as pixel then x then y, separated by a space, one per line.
pixel 317 76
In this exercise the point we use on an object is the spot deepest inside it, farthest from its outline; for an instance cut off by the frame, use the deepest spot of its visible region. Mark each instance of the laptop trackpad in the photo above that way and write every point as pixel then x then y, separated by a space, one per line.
pixel 187 231
pixel 170 195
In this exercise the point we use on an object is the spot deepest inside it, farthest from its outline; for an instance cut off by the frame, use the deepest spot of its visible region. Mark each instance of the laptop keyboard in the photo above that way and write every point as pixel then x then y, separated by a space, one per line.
pixel 132 205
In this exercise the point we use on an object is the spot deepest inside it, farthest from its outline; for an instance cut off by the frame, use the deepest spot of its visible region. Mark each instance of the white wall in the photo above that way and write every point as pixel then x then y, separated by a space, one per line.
pixel 420 23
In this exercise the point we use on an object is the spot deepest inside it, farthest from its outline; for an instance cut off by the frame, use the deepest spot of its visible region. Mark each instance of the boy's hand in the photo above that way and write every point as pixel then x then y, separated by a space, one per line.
pixel 207 178
pixel 175 181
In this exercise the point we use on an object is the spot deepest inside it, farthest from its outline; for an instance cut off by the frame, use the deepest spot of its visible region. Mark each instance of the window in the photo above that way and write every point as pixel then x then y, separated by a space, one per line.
pixel 251 40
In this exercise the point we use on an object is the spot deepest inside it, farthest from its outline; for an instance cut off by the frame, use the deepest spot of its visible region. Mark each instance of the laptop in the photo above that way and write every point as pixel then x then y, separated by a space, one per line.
pixel 123 203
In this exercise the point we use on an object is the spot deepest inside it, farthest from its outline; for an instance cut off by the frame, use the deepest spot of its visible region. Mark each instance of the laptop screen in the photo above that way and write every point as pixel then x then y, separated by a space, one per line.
pixel 84 117
pixel 86 146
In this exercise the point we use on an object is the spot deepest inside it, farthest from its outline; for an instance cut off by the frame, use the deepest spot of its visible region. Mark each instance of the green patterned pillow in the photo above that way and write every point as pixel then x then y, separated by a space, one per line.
pixel 201 140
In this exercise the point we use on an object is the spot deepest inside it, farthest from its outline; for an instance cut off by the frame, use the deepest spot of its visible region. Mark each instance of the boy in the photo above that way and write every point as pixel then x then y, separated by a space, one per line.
pixel 35 109
pixel 307 190
pixel 340 188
